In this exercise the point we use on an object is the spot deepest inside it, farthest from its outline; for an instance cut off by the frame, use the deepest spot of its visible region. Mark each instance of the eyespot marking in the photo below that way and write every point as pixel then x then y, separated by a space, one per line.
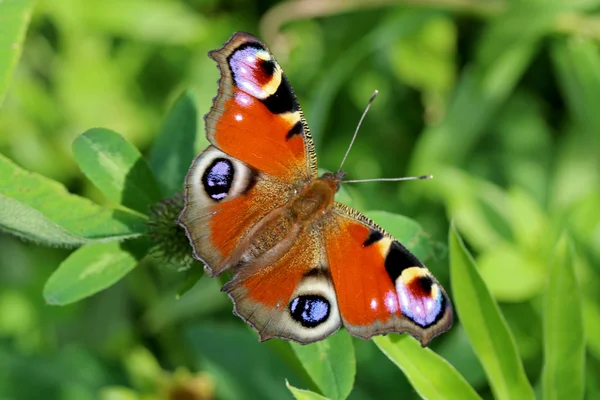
pixel 217 178
pixel 310 310
pixel 268 67
pixel 398 259
pixel 374 236
pixel 282 101
pixel 421 299
pixel 253 70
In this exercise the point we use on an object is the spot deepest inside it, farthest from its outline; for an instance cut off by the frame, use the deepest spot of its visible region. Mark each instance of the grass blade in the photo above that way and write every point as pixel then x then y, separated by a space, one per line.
pixel 564 339
pixel 430 375
pixel 485 326
pixel 14 19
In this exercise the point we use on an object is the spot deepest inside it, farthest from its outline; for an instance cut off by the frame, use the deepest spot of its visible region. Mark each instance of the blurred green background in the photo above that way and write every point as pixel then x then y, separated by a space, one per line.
pixel 499 100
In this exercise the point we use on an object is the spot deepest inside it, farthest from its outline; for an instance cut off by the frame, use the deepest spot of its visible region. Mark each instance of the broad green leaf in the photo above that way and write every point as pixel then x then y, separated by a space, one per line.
pixel 92 268
pixel 39 209
pixel 330 363
pixel 564 339
pixel 173 151
pixel 485 325
pixel 117 168
pixel 14 18
pixel 429 374
pixel 405 230
pixel 302 394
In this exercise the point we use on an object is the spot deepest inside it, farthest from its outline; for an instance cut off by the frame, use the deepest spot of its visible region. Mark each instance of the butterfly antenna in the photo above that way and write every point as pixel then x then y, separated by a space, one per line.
pixel 356 131
pixel 405 178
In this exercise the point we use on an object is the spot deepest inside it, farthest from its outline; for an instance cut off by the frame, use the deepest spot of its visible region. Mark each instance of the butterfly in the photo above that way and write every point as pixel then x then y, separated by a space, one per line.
pixel 303 264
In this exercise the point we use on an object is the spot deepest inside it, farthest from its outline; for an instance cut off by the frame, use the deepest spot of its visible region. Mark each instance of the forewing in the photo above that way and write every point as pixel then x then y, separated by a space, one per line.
pixel 381 287
pixel 256 117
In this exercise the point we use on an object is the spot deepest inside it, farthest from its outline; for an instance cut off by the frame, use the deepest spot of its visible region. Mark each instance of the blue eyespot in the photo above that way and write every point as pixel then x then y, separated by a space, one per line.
pixel 217 178
pixel 310 310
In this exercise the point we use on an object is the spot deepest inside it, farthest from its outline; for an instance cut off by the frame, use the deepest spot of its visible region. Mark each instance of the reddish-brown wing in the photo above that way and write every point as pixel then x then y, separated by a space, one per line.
pixel 262 149
pixel 288 294
pixel 256 117
pixel 380 286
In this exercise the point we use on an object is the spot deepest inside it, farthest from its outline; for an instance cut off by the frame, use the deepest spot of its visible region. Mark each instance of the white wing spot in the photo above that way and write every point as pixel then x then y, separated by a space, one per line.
pixel 373 304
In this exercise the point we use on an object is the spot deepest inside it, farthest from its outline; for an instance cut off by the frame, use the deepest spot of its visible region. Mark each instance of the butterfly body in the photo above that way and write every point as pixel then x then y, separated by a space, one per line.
pixel 303 264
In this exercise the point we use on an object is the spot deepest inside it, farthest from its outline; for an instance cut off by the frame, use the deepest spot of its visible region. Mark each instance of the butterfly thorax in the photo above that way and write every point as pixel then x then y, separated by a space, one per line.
pixel 315 198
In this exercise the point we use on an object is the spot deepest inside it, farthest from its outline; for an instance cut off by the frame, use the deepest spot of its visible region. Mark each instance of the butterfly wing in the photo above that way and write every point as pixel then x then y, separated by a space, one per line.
pixel 261 150
pixel 256 117
pixel 380 286
pixel 288 294
pixel 225 199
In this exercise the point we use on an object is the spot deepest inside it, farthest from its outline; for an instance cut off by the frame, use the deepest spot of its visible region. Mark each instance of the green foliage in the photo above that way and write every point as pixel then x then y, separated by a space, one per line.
pixel 429 374
pixel 91 268
pixel 14 18
pixel 330 363
pixel 497 99
pixel 39 209
pixel 485 326
pixel 564 339
pixel 117 169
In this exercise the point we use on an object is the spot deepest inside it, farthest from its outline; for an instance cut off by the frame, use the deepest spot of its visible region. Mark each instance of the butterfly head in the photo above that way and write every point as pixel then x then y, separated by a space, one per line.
pixel 333 179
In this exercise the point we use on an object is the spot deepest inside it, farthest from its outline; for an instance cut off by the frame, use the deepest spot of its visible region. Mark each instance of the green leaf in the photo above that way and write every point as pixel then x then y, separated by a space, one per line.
pixel 429 374
pixel 14 18
pixel 330 363
pixel 194 274
pixel 40 209
pixel 406 230
pixel 92 268
pixel 173 151
pixel 485 326
pixel 564 339
pixel 117 168
pixel 302 394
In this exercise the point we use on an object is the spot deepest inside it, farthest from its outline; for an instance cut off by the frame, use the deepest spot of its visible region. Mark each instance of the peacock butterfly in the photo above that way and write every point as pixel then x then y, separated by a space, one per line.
pixel 303 264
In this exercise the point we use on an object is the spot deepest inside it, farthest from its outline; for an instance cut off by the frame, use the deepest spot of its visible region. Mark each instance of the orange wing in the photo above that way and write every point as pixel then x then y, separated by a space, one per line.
pixel 225 200
pixel 289 294
pixel 256 117
pixel 380 286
